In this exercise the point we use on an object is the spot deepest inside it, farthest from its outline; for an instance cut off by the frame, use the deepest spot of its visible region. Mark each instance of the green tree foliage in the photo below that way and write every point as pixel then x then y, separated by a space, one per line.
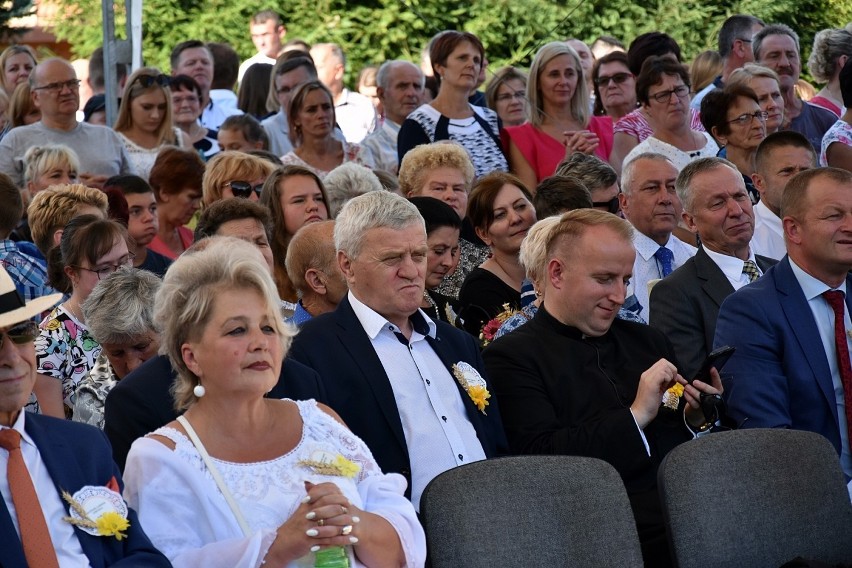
pixel 372 31
pixel 9 10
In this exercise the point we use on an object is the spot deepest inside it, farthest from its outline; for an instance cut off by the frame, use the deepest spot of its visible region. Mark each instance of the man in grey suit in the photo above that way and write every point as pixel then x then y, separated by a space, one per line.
pixel 685 305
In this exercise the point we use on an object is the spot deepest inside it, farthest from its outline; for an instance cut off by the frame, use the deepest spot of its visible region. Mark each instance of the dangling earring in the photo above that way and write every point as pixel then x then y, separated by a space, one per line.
pixel 199 390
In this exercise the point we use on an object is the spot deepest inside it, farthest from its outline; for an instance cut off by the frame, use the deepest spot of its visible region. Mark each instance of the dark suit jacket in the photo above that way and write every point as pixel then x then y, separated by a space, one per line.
pixel 141 402
pixel 337 347
pixel 780 376
pixel 76 455
pixel 685 306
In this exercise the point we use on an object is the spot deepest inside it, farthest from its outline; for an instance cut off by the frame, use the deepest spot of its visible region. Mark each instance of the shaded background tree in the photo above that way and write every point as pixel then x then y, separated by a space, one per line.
pixel 9 10
pixel 371 31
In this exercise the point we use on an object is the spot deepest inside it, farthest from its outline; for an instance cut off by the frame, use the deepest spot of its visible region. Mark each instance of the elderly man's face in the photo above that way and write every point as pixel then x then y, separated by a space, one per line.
pixel 198 64
pixel 389 273
pixel 779 53
pixel 587 281
pixel 55 93
pixel 17 373
pixel 250 230
pixel 650 203
pixel 721 211
pixel 404 93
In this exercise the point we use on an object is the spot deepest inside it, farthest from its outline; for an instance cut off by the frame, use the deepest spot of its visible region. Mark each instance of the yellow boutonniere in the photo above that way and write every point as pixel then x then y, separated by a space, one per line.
pixel 98 510
pixel 337 466
pixel 671 398
pixel 473 383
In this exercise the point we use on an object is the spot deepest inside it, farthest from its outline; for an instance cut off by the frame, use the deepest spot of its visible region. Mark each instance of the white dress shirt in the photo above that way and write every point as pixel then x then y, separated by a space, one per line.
pixel 256 58
pixel 768 239
pixel 732 267
pixel 646 267
pixel 215 114
pixel 356 116
pixel 438 433
pixel 824 318
pixel 382 146
pixel 62 535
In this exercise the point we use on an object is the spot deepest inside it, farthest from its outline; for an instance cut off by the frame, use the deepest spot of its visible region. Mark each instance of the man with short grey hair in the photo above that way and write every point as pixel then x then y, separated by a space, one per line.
pixel 411 388
pixel 649 202
pixel 777 46
pixel 55 91
pixel 400 88
pixel 354 112
pixel 685 305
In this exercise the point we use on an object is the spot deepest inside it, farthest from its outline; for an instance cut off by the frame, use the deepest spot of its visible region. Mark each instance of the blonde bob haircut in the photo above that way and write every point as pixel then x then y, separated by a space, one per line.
pixel 580 108
pixel 230 166
pixel 41 159
pixel 424 159
pixel 52 208
pixel 134 89
pixel 186 300
pixel 7 54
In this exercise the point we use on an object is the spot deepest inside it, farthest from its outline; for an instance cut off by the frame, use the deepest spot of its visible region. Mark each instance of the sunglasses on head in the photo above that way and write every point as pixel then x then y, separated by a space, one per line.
pixel 20 333
pixel 243 188
pixel 610 205
pixel 148 80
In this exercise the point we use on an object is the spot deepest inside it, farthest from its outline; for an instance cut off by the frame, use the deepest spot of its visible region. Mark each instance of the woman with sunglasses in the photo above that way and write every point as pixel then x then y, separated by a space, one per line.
pixel 734 117
pixel 295 197
pixel 559 117
pixel 234 174
pixel 144 121
pixel 615 86
pixel 91 249
pixel 311 118
pixel 663 91
pixel 176 180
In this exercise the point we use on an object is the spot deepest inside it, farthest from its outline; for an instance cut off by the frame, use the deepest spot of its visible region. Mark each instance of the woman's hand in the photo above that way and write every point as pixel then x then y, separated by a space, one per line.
pixel 324 518
pixel 580 141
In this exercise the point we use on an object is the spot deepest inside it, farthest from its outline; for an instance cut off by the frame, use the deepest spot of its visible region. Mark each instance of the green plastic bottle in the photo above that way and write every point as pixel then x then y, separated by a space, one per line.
pixel 332 557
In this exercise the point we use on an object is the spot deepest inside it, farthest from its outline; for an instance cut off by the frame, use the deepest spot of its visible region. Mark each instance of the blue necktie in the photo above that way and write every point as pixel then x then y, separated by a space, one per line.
pixel 665 257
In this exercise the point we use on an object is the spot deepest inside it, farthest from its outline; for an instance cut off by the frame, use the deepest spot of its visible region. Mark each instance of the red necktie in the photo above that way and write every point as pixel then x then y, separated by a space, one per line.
pixel 836 301
pixel 35 538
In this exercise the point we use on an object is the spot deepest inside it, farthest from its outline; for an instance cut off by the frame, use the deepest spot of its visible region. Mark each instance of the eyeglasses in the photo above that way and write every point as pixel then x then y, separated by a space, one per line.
pixel 664 96
pixel 618 79
pixel 746 118
pixel 20 333
pixel 103 272
pixel 148 80
pixel 243 188
pixel 72 85
pixel 518 95
pixel 611 205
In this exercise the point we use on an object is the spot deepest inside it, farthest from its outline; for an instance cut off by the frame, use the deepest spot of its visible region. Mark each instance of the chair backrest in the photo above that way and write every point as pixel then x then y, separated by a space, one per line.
pixel 756 497
pixel 530 511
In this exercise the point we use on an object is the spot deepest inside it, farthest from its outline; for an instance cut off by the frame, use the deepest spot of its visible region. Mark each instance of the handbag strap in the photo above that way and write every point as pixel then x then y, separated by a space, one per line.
pixel 217 477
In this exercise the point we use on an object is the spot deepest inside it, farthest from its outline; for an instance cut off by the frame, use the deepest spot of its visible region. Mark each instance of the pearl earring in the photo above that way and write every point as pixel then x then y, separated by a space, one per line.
pixel 199 390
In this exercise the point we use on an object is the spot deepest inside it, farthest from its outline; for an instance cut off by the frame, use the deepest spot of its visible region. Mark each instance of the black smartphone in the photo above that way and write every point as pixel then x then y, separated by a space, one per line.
pixel 717 359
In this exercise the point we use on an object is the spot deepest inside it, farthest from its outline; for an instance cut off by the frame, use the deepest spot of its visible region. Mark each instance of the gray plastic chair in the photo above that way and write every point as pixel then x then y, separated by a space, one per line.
pixel 756 498
pixel 530 511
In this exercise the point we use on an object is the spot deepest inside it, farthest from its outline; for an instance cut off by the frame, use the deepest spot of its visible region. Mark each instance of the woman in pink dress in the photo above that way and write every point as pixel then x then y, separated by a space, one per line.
pixel 560 118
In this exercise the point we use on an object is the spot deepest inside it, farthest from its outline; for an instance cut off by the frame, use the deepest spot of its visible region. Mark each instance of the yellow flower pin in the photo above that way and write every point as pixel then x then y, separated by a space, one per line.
pixel 112 524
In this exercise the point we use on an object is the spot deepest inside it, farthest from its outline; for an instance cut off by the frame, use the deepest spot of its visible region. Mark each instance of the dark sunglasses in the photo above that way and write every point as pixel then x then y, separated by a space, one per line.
pixel 148 80
pixel 617 78
pixel 611 205
pixel 21 333
pixel 243 188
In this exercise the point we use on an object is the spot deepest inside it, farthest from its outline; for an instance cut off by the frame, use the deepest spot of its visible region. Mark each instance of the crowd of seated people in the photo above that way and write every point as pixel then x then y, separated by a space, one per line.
pixel 265 318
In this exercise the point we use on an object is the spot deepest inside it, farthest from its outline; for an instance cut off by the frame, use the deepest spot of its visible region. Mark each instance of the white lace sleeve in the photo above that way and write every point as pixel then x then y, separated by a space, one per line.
pixel 183 513
pixel 382 494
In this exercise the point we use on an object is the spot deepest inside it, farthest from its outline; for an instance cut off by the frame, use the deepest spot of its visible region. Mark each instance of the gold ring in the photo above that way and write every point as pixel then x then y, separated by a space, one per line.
pixel 321 522
pixel 346 530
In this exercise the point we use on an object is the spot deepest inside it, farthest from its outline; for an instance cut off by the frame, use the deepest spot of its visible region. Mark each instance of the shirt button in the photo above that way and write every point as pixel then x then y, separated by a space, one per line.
pixel 428 382
pixel 461 457
pixel 444 418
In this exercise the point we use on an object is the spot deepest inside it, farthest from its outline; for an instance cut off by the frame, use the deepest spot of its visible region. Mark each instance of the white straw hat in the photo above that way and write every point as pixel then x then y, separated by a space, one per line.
pixel 13 309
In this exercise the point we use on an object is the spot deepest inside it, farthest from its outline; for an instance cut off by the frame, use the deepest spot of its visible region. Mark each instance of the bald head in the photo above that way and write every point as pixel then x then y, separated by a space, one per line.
pixel 56 92
pixel 312 267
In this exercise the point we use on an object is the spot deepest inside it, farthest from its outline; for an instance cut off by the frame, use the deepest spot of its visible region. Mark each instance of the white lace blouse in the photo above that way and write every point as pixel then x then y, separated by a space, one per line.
pixel 187 518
